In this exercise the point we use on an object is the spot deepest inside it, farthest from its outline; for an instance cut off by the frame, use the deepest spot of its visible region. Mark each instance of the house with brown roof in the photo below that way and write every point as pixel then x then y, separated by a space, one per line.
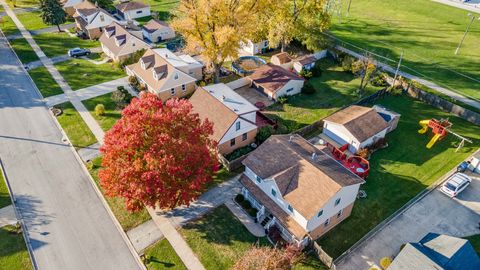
pixel 69 6
pixel 282 59
pixel 160 77
pixel 274 81
pixel 119 44
pixel 300 192
pixel 156 31
pixel 357 126
pixel 132 10
pixel 306 62
pixel 91 20
pixel 233 117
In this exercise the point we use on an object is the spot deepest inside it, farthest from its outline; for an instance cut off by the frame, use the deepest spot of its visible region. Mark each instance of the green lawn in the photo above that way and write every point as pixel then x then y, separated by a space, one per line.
pixel 426 31
pixel 112 114
pixel 33 21
pixel 475 241
pixel 74 126
pixel 4 194
pixel 23 50
pixel 127 219
pixel 55 44
pixel 45 82
pixel 402 170
pixel 8 26
pixel 334 89
pixel 163 7
pixel 80 73
pixel 162 256
pixel 13 251
pixel 23 3
pixel 143 20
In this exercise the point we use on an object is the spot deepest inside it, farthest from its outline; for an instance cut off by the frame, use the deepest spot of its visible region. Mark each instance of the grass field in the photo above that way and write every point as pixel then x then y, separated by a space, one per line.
pixel 8 26
pixel 13 251
pixel 334 89
pixel 4 195
pixel 23 50
pixel 112 114
pixel 33 21
pixel 162 256
pixel 45 82
pixel 23 3
pixel 402 170
pixel 163 7
pixel 55 44
pixel 426 31
pixel 80 73
pixel 74 126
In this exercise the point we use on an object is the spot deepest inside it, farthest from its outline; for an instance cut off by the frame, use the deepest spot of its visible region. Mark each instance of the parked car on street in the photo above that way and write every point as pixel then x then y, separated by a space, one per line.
pixel 77 52
pixel 455 184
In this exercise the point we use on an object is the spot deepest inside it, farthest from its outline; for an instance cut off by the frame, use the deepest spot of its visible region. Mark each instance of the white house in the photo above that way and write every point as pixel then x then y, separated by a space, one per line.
pixel 252 48
pixel 183 62
pixel 233 117
pixel 132 10
pixel 301 192
pixel 356 126
pixel 274 81
pixel 156 31
pixel 304 63
pixel 91 19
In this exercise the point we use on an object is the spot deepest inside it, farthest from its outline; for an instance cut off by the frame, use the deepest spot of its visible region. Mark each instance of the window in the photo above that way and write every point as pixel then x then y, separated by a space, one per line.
pixel 274 193
pixel 289 90
pixel 102 18
pixel 244 136
pixel 237 126
pixel 339 214
pixel 232 142
pixel 320 213
pixel 259 180
pixel 290 208
pixel 139 12
pixel 265 44
pixel 172 91
pixel 184 88
pixel 337 201
pixel 326 222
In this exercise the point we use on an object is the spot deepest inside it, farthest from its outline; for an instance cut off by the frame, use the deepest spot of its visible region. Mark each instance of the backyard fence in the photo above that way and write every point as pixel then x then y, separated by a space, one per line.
pixel 323 256
pixel 231 165
pixel 372 97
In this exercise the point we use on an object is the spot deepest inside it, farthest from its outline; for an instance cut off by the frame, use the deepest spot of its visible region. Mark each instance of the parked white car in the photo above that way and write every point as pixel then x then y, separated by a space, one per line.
pixel 455 184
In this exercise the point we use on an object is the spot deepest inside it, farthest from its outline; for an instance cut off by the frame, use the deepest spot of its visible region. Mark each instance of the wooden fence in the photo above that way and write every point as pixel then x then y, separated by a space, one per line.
pixel 323 256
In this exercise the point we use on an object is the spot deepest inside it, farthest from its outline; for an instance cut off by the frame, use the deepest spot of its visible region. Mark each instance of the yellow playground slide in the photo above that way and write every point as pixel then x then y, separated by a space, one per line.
pixel 424 124
pixel 433 140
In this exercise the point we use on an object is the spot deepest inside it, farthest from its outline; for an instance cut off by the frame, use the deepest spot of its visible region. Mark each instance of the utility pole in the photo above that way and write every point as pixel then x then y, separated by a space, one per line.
pixel 348 9
pixel 396 71
pixel 472 18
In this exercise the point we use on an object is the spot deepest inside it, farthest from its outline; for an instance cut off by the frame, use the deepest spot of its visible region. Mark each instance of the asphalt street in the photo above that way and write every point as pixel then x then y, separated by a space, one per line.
pixel 67 223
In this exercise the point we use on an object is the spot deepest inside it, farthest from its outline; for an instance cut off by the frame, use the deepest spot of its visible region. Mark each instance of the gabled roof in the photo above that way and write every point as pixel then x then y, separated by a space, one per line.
pixel 220 105
pixel 121 42
pixel 361 122
pixel 154 25
pixel 307 59
pixel 307 177
pixel 272 77
pixel 282 57
pixel 85 8
pixel 178 61
pixel 437 251
pixel 130 6
pixel 172 78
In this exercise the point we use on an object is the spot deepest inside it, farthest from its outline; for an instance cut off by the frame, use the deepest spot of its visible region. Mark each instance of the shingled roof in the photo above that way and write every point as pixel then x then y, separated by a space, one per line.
pixel 361 122
pixel 130 6
pixel 272 77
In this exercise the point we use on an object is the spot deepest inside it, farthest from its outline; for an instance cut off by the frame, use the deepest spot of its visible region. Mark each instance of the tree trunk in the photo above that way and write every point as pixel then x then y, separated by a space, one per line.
pixel 216 73
pixel 282 46
pixel 58 26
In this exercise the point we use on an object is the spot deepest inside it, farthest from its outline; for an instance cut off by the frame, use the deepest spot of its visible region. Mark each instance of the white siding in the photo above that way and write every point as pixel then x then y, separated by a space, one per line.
pixel 133 14
pixel 295 85
pixel 372 139
pixel 163 34
pixel 341 135
pixel 254 48
pixel 233 133
pixel 347 196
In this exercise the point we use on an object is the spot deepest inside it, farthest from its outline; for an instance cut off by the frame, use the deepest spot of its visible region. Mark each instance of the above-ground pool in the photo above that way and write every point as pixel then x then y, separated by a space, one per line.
pixel 246 65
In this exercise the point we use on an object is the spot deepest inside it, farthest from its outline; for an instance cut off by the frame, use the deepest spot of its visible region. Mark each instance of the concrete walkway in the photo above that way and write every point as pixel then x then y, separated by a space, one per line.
pixel 247 221
pixel 90 152
pixel 76 102
pixel 89 92
pixel 429 84
pixel 21 10
pixel 144 235
pixel 60 58
pixel 7 216
pixel 176 240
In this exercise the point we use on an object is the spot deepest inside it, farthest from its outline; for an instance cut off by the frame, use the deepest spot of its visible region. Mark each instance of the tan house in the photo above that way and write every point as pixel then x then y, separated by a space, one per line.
pixel 160 77
pixel 69 6
pixel 282 59
pixel 300 192
pixel 274 81
pixel 119 44
pixel 156 31
pixel 91 20
pixel 233 117
pixel 132 10
pixel 183 62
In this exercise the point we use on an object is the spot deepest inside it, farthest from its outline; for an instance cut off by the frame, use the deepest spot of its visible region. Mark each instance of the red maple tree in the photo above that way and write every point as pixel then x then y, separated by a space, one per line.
pixel 157 154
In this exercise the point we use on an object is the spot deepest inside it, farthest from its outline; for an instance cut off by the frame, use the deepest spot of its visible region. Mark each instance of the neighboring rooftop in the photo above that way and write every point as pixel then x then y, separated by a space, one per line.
pixel 130 6
pixel 307 177
pixel 282 57
pixel 154 25
pixel 120 41
pixel 307 59
pixel 86 8
pixel 272 77
pixel 361 122
pixel 177 60
pixel 437 251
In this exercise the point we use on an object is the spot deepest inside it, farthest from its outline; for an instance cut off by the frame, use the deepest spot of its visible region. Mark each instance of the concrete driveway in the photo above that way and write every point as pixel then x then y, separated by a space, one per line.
pixel 434 213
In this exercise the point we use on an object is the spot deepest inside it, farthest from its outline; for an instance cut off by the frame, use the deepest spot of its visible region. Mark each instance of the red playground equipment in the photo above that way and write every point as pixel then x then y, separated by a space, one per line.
pixel 440 129
pixel 355 164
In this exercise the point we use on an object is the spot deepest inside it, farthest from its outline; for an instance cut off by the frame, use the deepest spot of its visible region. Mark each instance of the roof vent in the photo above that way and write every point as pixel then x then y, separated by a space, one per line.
pixel 314 155
pixel 235 109
pixel 291 138
pixel 223 97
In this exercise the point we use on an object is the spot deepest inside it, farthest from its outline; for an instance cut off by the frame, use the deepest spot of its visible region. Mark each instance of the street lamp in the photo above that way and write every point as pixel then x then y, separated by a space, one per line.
pixel 472 18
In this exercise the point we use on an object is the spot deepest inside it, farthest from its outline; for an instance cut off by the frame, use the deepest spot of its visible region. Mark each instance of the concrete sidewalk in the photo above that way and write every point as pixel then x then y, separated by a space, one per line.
pixel 7 216
pixel 247 221
pixel 144 235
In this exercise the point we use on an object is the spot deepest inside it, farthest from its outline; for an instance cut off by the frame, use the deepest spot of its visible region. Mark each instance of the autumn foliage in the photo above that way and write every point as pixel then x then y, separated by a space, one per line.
pixel 267 258
pixel 157 154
